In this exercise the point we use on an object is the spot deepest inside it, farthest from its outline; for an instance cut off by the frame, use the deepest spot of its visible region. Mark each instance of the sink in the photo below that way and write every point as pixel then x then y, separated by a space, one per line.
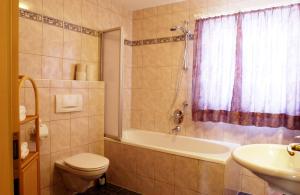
pixel 272 163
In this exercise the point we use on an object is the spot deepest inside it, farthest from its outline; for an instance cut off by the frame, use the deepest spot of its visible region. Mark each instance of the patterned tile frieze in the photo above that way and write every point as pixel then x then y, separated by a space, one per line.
pixel 56 22
pixel 30 15
pixel 73 27
pixel 157 40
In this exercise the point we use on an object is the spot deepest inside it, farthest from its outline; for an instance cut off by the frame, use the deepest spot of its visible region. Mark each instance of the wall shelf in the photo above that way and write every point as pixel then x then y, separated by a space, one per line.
pixel 27 171
pixel 28 119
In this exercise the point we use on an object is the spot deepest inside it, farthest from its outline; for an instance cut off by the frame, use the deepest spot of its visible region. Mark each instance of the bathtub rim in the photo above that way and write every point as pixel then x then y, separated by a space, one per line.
pixel 192 155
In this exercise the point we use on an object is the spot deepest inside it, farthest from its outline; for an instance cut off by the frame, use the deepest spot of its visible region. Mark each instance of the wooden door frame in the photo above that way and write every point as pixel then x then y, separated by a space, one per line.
pixel 8 90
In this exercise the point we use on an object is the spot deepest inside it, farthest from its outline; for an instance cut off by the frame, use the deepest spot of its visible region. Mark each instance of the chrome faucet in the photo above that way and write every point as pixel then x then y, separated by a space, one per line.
pixel 176 129
pixel 293 147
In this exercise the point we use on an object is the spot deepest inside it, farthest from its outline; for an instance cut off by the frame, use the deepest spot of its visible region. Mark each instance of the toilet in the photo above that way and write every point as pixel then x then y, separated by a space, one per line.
pixel 79 172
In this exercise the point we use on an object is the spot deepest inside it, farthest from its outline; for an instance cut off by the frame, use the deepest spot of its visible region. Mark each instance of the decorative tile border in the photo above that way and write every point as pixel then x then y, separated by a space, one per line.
pixel 57 22
pixel 81 29
pixel 157 40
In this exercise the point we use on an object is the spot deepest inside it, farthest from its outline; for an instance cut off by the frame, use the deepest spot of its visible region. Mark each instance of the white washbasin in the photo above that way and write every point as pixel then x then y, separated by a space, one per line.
pixel 272 163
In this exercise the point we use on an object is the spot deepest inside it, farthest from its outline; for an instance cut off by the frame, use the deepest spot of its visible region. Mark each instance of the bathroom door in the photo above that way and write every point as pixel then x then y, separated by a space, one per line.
pixel 111 74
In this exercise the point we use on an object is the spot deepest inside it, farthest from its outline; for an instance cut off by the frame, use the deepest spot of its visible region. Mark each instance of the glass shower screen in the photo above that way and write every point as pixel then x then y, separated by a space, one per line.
pixel 111 74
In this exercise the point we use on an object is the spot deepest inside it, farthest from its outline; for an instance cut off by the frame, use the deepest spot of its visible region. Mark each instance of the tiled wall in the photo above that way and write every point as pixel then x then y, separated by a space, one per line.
pixel 154 71
pixel 157 173
pixel 51 51
pixel 153 173
pixel 155 68
pixel 69 133
pixel 54 36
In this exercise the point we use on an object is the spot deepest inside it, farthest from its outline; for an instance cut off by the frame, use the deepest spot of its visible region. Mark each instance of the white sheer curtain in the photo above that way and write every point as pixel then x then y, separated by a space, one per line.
pixel 271 61
pixel 218 62
pixel 247 68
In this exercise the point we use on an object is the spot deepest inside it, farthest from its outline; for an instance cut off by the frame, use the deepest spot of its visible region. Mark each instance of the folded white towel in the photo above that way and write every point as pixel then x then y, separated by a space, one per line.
pixel 24 150
pixel 22 113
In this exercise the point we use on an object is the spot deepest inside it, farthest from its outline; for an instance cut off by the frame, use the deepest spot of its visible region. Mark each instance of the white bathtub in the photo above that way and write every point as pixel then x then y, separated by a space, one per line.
pixel 202 149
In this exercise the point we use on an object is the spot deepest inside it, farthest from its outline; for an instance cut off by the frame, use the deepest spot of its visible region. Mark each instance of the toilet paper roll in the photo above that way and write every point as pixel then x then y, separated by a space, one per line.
pixel 81 68
pixel 44 132
pixel 92 73
pixel 81 76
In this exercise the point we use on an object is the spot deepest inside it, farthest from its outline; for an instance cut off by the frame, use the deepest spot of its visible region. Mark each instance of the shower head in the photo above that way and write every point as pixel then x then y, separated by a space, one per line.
pixel 184 28
pixel 175 28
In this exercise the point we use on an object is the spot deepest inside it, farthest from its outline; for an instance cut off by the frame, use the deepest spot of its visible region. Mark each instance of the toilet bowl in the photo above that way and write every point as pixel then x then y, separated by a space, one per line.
pixel 79 172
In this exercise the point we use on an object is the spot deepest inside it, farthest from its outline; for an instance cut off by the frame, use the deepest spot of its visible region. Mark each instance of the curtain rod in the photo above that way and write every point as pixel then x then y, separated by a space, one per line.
pixel 201 16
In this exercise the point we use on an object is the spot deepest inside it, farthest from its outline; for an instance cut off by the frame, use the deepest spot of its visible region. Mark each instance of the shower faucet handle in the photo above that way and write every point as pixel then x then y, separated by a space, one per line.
pixel 178 117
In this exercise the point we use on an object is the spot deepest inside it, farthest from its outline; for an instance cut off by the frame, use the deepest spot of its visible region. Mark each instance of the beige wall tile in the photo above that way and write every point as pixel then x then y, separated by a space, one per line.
pixel 165 168
pixel 90 49
pixel 51 68
pixel 72 45
pixel 149 27
pixel 30 65
pixel 79 131
pixel 96 102
pixel 145 185
pixel 65 84
pixel 72 11
pixel 184 191
pixel 97 147
pixel 149 12
pixel 30 36
pixel 79 149
pixel 53 8
pixel 52 41
pixel 60 135
pixel 45 170
pixel 96 128
pixel 186 168
pixel 44 97
pixel 211 178
pixel 90 14
pixel 162 188
pixel 105 3
pixel 145 163
pixel 232 176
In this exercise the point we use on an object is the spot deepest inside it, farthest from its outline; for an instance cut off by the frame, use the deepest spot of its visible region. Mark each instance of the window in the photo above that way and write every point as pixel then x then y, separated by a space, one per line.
pixel 247 68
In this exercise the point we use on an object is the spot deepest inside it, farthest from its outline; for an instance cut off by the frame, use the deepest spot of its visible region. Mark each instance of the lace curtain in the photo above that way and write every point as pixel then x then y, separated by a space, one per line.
pixel 247 68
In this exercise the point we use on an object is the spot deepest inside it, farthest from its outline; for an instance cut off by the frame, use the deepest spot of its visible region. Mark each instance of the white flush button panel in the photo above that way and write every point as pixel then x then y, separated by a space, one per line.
pixel 69 103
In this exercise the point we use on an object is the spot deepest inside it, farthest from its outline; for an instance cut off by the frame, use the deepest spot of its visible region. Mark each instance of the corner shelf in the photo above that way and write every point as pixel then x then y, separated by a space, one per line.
pixel 28 119
pixel 27 171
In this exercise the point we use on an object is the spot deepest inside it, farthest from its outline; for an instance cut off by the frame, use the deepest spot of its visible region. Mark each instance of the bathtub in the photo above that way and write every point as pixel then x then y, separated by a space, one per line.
pixel 144 161
pixel 201 149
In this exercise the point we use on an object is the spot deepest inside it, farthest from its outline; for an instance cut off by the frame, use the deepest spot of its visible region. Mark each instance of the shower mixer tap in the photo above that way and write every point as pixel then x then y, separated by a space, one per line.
pixel 178 117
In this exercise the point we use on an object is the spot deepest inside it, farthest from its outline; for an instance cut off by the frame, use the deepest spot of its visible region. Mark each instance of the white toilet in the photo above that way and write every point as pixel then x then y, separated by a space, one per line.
pixel 80 171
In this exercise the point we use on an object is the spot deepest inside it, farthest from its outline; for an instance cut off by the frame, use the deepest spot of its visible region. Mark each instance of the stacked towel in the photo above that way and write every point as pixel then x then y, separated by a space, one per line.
pixel 24 150
pixel 22 113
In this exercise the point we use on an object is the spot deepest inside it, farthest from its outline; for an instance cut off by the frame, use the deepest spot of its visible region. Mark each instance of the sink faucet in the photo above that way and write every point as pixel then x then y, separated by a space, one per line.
pixel 293 147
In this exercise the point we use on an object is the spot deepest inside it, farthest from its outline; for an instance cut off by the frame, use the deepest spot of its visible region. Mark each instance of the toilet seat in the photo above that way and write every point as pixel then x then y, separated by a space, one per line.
pixel 87 162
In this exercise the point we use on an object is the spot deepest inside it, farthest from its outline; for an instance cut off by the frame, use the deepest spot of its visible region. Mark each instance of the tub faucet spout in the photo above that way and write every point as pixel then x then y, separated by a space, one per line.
pixel 176 129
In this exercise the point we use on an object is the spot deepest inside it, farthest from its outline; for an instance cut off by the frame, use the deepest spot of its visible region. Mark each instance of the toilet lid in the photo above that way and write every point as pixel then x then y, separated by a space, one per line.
pixel 87 162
